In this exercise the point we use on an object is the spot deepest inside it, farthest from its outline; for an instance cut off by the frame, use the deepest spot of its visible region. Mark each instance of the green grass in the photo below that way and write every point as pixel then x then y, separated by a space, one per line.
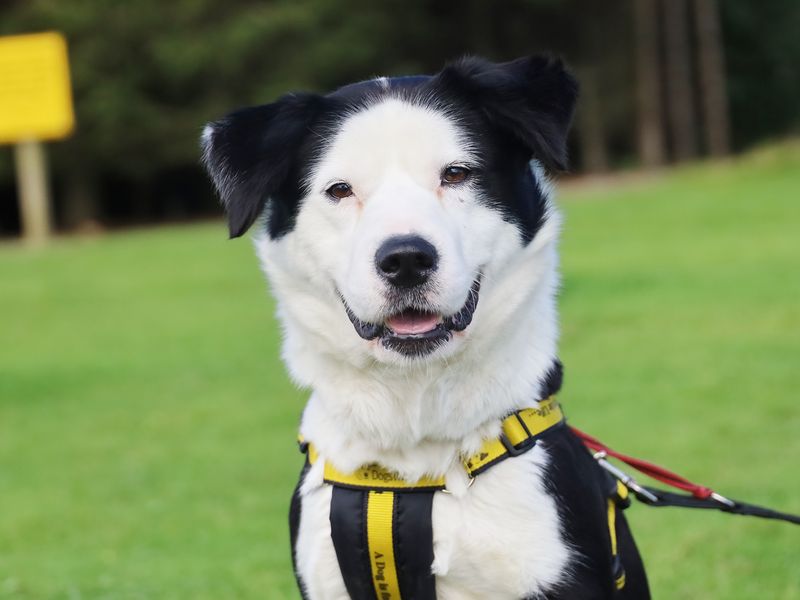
pixel 147 426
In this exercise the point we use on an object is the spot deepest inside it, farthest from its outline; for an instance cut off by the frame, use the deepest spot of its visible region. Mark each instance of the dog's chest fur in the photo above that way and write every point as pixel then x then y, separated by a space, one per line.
pixel 501 539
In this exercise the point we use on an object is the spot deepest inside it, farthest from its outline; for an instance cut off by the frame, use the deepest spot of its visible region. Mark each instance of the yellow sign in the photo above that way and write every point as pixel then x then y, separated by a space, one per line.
pixel 35 96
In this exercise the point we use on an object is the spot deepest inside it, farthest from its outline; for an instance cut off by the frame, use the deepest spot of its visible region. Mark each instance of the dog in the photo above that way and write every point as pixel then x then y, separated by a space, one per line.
pixel 408 230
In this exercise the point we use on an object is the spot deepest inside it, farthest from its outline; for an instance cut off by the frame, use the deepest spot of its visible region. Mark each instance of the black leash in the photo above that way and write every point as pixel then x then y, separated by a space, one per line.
pixel 698 496
pixel 734 507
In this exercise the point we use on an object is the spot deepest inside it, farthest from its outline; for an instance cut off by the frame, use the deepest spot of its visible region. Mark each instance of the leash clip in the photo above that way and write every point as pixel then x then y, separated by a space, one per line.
pixel 626 479
pixel 722 500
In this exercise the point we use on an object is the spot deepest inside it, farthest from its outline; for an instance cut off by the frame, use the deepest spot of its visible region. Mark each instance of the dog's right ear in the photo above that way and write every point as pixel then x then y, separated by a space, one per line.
pixel 532 99
pixel 250 155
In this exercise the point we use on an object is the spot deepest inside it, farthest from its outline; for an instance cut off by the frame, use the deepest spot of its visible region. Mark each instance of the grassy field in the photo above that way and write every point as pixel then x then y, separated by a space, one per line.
pixel 147 426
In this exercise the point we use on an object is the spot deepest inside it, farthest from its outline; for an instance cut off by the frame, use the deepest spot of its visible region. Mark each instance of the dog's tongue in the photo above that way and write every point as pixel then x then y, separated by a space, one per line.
pixel 410 322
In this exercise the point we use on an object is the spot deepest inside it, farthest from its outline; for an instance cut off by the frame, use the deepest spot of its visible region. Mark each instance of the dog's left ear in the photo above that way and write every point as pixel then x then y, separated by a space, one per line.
pixel 532 99
pixel 250 155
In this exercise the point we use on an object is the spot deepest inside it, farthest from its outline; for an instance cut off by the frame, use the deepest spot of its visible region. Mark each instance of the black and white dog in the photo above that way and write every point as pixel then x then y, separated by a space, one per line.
pixel 410 238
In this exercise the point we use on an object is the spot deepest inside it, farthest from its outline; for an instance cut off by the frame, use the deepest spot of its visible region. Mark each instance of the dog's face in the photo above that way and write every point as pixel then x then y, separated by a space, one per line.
pixel 391 206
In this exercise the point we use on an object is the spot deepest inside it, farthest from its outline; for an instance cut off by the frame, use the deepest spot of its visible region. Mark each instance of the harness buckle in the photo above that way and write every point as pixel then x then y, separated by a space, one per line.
pixel 521 421
pixel 512 451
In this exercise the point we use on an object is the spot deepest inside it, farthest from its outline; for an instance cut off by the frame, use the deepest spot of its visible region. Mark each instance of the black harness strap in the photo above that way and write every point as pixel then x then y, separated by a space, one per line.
pixel 412 544
pixel 349 533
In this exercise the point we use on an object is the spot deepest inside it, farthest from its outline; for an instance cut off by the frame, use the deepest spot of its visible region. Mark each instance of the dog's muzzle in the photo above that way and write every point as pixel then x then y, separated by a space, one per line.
pixel 415 332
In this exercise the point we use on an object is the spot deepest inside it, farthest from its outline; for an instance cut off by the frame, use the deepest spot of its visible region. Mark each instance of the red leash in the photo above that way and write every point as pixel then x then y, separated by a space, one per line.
pixel 656 472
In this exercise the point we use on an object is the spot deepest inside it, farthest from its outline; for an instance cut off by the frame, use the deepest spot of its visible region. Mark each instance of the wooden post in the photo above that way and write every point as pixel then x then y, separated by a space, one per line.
pixel 34 193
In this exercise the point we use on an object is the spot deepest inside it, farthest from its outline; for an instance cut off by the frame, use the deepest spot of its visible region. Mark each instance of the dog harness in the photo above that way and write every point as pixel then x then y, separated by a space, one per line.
pixel 381 524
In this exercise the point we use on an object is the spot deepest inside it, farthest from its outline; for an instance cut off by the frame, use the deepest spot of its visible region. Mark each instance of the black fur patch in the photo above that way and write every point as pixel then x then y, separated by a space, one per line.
pixel 581 489
pixel 295 509
pixel 530 100
pixel 261 154
pixel 512 112
pixel 551 384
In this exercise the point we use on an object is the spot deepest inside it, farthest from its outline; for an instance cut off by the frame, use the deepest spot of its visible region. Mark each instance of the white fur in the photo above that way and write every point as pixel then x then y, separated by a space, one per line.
pixel 501 537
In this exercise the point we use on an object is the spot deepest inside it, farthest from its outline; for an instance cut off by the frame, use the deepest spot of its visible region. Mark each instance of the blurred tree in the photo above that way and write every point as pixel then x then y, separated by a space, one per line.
pixel 148 75
pixel 591 130
pixel 711 69
pixel 762 54
pixel 650 131
pixel 680 96
pixel 600 49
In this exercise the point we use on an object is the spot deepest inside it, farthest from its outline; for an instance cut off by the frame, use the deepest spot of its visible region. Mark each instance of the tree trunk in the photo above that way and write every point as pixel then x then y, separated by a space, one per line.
pixel 650 134
pixel 680 99
pixel 711 63
pixel 590 124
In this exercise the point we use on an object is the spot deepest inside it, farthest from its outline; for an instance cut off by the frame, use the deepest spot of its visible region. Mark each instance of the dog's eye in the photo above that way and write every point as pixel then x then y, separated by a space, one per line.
pixel 454 174
pixel 339 191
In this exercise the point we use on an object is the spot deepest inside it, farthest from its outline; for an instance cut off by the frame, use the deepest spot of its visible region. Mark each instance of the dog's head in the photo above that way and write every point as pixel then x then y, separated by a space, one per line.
pixel 394 208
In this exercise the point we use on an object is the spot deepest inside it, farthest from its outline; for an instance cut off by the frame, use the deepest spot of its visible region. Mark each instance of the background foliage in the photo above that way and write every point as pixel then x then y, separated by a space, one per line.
pixel 148 74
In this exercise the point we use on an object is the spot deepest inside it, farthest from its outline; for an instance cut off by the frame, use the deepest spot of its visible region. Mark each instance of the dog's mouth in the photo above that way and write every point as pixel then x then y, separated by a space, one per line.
pixel 415 332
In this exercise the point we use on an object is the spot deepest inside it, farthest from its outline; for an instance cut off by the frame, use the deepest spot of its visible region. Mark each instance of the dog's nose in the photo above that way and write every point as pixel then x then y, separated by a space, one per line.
pixel 406 260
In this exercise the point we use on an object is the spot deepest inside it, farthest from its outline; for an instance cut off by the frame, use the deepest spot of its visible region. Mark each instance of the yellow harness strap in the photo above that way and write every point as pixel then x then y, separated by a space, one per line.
pixel 519 431
pixel 620 496
pixel 394 515
pixel 518 434
pixel 376 477
pixel 380 510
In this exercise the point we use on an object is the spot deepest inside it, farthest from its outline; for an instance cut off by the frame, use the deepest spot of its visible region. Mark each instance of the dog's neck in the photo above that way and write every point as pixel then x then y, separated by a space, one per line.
pixel 418 419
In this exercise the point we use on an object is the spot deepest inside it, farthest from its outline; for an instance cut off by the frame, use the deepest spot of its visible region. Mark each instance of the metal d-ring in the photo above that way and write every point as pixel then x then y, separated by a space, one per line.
pixel 469 485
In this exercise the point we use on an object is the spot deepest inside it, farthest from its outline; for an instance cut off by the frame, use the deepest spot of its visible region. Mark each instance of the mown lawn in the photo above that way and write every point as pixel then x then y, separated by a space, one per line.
pixel 147 426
